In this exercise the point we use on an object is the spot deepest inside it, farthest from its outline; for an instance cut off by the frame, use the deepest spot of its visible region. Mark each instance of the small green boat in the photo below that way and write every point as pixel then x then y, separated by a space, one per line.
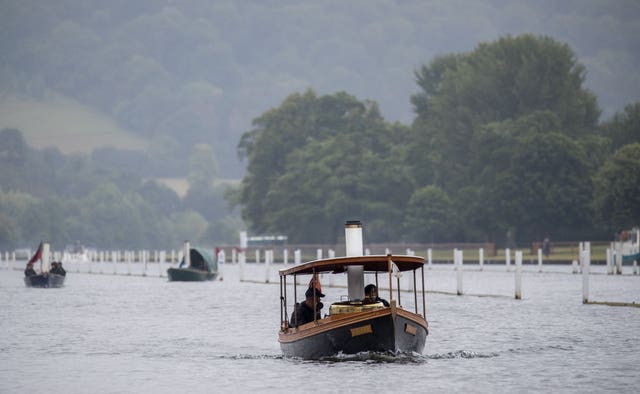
pixel 202 267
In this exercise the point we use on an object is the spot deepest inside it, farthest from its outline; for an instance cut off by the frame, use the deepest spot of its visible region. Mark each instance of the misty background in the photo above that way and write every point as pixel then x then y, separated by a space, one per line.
pixel 122 120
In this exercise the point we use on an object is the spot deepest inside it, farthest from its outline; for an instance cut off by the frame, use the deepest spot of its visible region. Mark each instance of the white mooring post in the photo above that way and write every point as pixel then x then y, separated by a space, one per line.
pixel 507 258
pixel 163 258
pixel 114 260
pixel 618 258
pixel 257 256
pixel 234 256
pixel 574 267
pixel 145 259
pixel 585 256
pixel 539 260
pixel 318 254
pixel 518 275
pixel 458 259
pixel 242 258
pixel 609 261
pixel 635 267
pixel 429 258
pixel 297 256
pixel 268 259
pixel 481 258
pixel 285 256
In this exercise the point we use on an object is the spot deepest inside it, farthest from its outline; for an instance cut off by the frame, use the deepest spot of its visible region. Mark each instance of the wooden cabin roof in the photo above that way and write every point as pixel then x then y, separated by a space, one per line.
pixel 373 263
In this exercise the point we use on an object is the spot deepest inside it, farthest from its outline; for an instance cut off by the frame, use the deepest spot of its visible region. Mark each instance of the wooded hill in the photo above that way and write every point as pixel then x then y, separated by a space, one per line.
pixel 428 121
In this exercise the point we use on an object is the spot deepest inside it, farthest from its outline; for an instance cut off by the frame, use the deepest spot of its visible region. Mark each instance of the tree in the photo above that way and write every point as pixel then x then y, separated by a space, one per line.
pixel 616 195
pixel 531 177
pixel 203 168
pixel 326 159
pixel 623 128
pixel 430 216
pixel 301 118
pixel 506 79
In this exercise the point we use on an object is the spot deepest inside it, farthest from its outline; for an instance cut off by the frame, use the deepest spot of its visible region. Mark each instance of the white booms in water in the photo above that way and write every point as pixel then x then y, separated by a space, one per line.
pixel 354 247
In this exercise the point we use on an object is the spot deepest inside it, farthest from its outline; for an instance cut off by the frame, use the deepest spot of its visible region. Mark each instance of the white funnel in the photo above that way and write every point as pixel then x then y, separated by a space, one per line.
pixel 354 247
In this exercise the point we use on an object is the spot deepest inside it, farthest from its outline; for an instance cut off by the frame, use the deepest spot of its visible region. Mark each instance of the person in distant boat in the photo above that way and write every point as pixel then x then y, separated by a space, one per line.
pixel 56 268
pixel 29 271
pixel 303 312
pixel 371 295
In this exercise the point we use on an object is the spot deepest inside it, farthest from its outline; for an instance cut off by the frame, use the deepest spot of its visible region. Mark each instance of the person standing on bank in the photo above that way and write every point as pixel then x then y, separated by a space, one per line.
pixel 303 312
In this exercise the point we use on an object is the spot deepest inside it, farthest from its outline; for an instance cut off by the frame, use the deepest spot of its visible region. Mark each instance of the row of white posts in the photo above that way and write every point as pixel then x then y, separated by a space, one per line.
pixel 584 257
pixel 458 260
pixel 100 262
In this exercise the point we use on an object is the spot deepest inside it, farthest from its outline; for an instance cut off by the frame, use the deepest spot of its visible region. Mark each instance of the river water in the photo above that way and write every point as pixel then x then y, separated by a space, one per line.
pixel 122 334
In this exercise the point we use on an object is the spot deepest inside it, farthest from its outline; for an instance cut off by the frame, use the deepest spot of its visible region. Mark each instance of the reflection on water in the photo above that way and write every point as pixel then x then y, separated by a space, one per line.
pixel 144 334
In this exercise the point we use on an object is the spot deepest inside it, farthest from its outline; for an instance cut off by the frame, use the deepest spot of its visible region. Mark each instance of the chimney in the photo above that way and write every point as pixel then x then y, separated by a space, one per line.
pixel 354 247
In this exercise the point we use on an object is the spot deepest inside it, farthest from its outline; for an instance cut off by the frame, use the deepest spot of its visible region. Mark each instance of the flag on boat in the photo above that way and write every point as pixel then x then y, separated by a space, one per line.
pixel 395 270
pixel 315 282
pixel 37 256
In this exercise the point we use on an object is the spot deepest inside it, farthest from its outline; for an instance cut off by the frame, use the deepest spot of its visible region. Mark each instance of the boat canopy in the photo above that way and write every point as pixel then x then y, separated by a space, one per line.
pixel 201 259
pixel 371 263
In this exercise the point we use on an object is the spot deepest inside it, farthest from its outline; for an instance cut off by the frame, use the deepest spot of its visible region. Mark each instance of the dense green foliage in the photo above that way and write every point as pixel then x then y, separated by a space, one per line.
pixel 45 195
pixel 506 141
pixel 313 155
pixel 180 73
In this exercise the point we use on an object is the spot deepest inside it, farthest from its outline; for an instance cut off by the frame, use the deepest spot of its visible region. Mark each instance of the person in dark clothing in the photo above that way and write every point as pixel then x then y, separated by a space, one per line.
pixel 546 247
pixel 303 312
pixel 56 268
pixel 371 295
pixel 29 271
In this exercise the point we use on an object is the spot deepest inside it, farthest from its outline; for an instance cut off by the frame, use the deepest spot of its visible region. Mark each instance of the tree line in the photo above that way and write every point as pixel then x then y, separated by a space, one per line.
pixel 506 140
pixel 45 195
pixel 180 73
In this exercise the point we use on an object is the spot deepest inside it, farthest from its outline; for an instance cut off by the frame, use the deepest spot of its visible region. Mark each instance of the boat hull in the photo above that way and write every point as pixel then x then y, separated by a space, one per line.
pixel 379 331
pixel 189 275
pixel 45 281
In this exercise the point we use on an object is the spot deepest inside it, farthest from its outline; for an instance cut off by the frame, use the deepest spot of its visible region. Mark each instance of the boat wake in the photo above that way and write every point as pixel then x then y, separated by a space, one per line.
pixel 377 357
pixel 460 354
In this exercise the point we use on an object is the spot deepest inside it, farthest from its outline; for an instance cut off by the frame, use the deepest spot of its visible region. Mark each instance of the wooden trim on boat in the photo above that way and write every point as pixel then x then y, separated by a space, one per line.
pixel 371 263
pixel 342 320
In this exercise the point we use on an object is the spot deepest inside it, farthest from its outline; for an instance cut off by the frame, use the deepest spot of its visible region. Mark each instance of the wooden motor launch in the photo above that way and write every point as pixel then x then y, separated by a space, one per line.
pixel 358 324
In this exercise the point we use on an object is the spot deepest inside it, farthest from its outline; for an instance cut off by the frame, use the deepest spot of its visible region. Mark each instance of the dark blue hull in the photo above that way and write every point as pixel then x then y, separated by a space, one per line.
pixel 369 332
pixel 44 280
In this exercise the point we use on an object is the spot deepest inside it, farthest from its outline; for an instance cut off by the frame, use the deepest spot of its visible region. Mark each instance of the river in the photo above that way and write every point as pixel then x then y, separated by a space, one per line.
pixel 122 334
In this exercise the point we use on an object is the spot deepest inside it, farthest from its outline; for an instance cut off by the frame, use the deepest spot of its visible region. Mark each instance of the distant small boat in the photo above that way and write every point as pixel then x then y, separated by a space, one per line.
pixel 629 245
pixel 200 267
pixel 53 277
pixel 44 280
